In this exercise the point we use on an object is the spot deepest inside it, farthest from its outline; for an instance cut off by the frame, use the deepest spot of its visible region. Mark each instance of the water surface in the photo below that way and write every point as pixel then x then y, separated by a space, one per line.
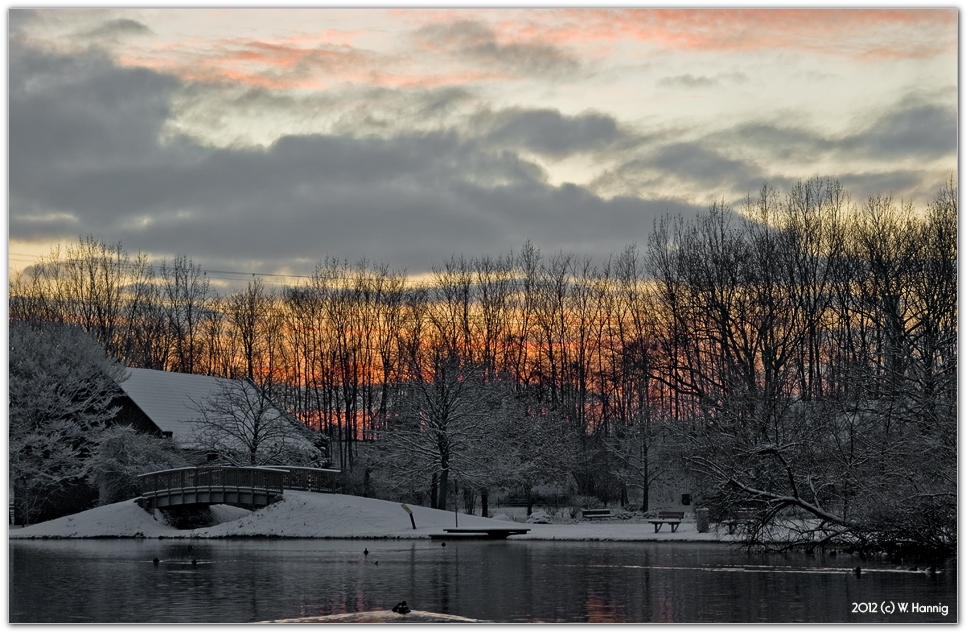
pixel 255 580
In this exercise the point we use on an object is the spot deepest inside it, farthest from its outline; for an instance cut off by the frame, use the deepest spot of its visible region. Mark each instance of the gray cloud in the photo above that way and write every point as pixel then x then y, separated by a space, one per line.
pixel 119 28
pixel 690 166
pixel 68 114
pixel 18 21
pixel 691 81
pixel 477 41
pixel 767 139
pixel 700 162
pixel 901 184
pixel 910 129
pixel 85 158
pixel 550 132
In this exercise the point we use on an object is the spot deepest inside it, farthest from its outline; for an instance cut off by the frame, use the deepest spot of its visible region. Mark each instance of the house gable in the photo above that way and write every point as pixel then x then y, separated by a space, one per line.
pixel 167 401
pixel 130 414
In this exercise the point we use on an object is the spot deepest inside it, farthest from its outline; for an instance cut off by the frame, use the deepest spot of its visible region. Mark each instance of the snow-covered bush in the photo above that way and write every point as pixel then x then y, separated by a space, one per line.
pixel 122 455
pixel 540 517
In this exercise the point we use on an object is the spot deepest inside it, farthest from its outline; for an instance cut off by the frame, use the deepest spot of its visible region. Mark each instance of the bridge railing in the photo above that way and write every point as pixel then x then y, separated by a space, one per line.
pixel 311 479
pixel 270 479
pixel 224 477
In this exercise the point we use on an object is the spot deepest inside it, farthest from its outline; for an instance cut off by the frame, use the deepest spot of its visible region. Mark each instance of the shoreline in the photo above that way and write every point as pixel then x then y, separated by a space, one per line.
pixel 308 515
pixel 276 537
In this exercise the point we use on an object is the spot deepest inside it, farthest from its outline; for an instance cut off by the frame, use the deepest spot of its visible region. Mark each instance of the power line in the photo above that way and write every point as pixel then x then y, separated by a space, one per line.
pixel 408 280
pixel 235 272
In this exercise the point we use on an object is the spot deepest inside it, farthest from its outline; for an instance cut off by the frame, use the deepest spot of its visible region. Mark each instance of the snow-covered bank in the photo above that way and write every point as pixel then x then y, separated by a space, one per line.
pixel 314 515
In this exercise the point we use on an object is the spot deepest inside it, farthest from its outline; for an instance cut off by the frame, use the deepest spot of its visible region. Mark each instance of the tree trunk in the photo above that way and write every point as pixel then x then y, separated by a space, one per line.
pixel 530 502
pixel 644 479
pixel 433 492
pixel 484 509
pixel 444 480
pixel 469 500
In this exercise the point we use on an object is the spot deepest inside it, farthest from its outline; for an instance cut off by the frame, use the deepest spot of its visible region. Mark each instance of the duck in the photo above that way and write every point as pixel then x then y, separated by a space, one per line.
pixel 401 607
pixel 366 552
pixel 156 560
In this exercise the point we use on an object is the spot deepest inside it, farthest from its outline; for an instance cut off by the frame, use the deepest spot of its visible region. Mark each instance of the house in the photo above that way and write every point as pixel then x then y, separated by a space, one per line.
pixel 166 404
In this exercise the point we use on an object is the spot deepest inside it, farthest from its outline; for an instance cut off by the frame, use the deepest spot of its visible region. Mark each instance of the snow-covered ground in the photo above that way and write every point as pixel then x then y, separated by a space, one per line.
pixel 315 515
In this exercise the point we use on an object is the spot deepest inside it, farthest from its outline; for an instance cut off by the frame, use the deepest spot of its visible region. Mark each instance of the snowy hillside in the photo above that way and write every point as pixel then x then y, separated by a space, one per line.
pixel 315 515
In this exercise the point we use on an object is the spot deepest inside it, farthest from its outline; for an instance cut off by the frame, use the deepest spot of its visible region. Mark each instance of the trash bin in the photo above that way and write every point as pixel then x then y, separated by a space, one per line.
pixel 701 519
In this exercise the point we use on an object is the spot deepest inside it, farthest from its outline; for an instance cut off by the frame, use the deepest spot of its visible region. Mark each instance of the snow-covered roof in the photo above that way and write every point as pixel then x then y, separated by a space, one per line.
pixel 169 398
pixel 172 400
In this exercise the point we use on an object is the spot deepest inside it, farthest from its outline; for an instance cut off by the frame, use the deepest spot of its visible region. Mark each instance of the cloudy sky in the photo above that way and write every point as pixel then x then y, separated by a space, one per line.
pixel 260 140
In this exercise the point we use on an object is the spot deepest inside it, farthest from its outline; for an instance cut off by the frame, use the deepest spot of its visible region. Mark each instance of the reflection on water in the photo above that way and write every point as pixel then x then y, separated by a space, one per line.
pixel 502 581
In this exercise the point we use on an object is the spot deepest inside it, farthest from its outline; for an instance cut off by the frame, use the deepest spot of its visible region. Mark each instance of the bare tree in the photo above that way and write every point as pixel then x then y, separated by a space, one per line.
pixel 93 285
pixel 248 313
pixel 841 451
pixel 494 285
pixel 186 294
pixel 243 427
pixel 442 425
pixel 531 445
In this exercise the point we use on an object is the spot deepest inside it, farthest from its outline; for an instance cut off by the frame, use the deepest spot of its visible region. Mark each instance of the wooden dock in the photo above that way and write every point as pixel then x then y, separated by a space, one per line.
pixel 478 533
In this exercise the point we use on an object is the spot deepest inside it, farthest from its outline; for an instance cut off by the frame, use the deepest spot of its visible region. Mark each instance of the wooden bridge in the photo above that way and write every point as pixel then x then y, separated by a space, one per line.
pixel 246 487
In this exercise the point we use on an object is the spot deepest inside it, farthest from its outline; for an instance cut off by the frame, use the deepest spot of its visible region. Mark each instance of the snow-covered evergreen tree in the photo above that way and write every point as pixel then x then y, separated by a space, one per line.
pixel 61 387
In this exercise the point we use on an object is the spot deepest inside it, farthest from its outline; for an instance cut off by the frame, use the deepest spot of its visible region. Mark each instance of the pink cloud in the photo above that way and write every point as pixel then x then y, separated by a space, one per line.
pixel 292 64
pixel 851 32
pixel 323 59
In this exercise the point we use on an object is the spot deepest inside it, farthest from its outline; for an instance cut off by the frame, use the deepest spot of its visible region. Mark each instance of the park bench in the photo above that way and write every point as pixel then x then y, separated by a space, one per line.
pixel 671 518
pixel 602 513
pixel 742 517
pixel 488 533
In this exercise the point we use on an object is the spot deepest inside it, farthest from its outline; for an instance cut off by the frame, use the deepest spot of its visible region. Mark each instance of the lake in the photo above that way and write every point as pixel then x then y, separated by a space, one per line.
pixel 251 580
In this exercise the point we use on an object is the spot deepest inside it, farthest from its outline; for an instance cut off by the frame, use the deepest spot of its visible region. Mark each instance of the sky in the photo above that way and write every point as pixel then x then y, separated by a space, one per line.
pixel 267 140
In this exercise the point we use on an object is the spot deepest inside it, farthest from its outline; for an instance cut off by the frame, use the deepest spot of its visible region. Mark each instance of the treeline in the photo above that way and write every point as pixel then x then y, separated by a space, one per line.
pixel 768 348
